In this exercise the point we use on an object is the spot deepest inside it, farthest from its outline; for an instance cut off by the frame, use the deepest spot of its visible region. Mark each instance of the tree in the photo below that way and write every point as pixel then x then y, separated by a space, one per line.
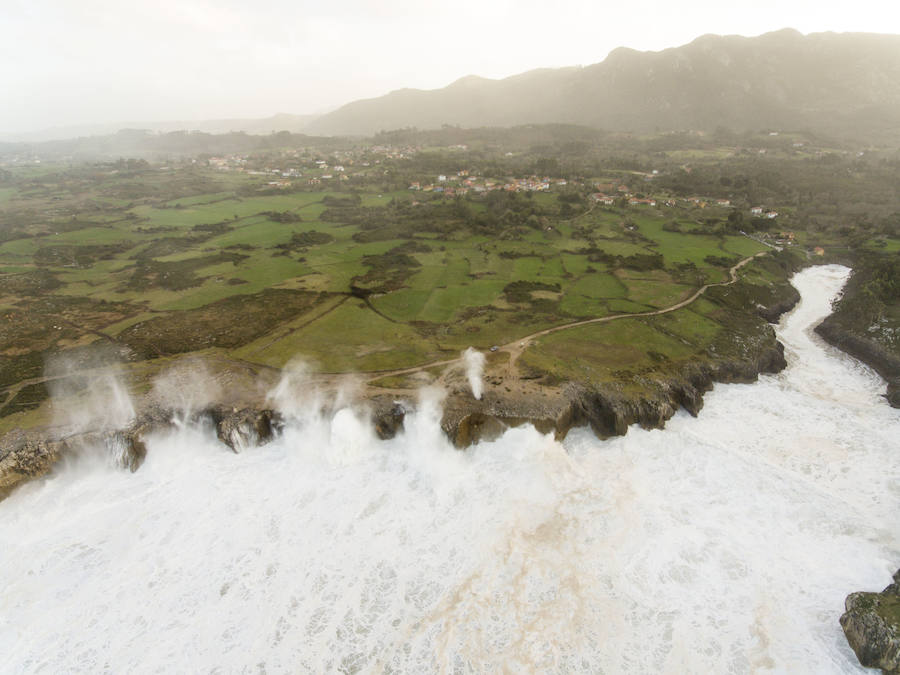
pixel 547 166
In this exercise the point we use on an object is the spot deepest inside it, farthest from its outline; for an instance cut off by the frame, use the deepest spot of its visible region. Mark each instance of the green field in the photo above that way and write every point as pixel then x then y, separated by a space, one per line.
pixel 153 256
pixel 380 279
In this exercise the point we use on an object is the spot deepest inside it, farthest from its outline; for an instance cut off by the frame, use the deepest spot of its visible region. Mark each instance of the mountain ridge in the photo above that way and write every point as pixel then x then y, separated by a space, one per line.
pixel 836 83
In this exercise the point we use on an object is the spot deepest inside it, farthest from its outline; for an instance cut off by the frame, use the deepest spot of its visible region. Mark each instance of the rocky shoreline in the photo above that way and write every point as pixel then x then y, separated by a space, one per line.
pixel 605 408
pixel 872 626
pixel 245 417
pixel 868 351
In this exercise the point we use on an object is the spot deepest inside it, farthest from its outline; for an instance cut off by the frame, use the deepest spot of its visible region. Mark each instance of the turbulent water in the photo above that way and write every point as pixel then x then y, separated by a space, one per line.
pixel 722 544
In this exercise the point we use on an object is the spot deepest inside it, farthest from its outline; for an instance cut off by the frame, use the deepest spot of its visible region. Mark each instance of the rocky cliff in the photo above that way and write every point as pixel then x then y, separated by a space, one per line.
pixel 608 408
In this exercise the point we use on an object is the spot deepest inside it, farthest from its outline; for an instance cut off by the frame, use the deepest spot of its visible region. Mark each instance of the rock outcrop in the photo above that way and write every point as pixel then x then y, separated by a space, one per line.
pixel 872 626
pixel 388 414
pixel 28 455
pixel 606 408
pixel 244 428
pixel 23 457
pixel 773 312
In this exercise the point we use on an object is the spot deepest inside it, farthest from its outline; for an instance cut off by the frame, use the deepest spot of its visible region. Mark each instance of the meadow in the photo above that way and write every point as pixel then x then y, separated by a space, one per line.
pixel 166 262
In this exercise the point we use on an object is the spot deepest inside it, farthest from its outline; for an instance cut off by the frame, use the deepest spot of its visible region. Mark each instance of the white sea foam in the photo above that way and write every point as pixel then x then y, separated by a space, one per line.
pixel 721 544
pixel 474 363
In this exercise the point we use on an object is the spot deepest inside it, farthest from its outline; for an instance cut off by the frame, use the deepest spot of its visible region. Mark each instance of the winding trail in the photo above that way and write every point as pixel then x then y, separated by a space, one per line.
pixel 516 347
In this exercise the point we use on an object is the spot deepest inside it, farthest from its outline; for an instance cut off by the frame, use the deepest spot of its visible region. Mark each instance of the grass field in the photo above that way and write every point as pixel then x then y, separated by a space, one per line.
pixel 126 253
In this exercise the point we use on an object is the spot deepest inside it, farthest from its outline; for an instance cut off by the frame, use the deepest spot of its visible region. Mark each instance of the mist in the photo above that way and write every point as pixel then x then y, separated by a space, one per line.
pixel 197 60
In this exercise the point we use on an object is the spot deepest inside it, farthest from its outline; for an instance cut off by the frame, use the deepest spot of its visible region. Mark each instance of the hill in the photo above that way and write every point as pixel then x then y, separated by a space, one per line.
pixel 844 84
pixel 266 125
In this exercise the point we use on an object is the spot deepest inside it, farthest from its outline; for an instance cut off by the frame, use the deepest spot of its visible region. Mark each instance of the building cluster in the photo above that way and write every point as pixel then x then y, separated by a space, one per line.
pixel 761 211
pixel 466 181
pixel 310 164
pixel 604 197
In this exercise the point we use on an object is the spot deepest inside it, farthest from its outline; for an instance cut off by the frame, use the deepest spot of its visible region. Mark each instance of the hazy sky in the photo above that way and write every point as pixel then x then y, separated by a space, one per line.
pixel 68 62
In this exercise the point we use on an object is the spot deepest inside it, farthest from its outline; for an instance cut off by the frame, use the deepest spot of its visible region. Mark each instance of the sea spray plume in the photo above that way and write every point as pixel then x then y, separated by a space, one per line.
pixel 87 390
pixel 351 432
pixel 351 436
pixel 423 427
pixel 330 426
pixel 295 396
pixel 91 404
pixel 474 363
pixel 186 388
pixel 428 451
pixel 348 393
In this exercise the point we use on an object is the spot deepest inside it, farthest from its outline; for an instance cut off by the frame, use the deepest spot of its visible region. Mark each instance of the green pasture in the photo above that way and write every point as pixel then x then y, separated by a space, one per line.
pixel 255 231
pixel 352 338
pixel 588 295
pixel 884 244
pixel 455 297
pixel 19 250
pixel 622 306
pixel 383 198
pixel 742 246
pixel 622 248
pixel 14 269
pixel 91 236
pixel 598 352
pixel 676 247
pixel 536 269
pixel 494 327
pixel 201 200
pixel 212 208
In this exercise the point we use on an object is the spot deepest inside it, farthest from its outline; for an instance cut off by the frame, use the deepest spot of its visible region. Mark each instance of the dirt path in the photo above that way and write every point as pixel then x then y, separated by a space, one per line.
pixel 515 348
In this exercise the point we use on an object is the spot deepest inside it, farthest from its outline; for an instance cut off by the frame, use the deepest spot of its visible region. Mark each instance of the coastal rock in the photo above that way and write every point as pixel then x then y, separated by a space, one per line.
pixel 773 312
pixel 23 458
pixel 124 447
pixel 388 415
pixel 872 626
pixel 606 408
pixel 467 421
pixel 893 392
pixel 245 428
pixel 26 456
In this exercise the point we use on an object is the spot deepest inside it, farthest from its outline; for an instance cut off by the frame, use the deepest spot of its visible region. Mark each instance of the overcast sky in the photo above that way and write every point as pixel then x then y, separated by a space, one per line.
pixel 66 62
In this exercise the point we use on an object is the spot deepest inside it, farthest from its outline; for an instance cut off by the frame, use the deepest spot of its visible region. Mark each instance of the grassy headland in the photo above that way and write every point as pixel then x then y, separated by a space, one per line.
pixel 399 252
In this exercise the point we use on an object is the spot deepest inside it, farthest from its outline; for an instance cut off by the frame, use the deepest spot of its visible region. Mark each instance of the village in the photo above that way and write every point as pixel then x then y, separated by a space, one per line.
pixel 306 169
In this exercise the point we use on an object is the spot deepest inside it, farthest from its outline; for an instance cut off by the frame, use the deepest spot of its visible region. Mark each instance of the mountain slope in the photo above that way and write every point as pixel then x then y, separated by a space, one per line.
pixel 842 83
